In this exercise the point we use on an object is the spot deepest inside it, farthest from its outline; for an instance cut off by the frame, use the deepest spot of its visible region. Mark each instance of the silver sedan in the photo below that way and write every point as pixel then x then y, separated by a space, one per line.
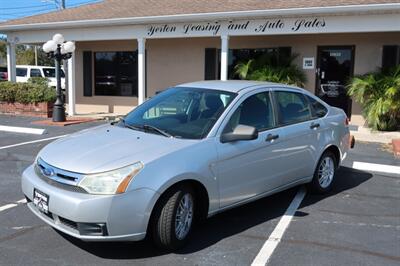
pixel 188 153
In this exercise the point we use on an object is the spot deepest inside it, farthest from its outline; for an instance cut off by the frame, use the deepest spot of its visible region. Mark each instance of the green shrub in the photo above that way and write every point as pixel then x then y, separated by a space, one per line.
pixel 39 81
pixel 8 91
pixel 379 95
pixel 26 92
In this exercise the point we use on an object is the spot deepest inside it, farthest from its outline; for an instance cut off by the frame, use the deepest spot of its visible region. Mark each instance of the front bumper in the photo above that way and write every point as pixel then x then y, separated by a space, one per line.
pixel 125 216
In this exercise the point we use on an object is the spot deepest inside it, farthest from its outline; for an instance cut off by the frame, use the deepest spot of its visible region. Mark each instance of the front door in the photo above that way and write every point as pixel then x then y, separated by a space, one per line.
pixel 334 68
pixel 248 168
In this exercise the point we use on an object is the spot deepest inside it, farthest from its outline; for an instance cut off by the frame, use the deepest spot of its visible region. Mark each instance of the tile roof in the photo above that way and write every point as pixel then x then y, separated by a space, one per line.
pixel 111 9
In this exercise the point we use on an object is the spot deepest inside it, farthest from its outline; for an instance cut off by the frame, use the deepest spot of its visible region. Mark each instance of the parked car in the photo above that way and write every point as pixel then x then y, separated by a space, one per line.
pixel 188 153
pixel 3 74
pixel 24 72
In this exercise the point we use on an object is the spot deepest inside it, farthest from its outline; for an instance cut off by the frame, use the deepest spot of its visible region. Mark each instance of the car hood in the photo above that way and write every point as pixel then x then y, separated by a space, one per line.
pixel 107 147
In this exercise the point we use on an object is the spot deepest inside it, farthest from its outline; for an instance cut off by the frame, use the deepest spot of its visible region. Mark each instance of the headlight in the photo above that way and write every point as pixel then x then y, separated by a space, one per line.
pixel 112 182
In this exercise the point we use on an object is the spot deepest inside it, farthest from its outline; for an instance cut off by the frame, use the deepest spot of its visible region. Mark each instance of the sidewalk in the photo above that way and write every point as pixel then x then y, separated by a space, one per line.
pixel 361 133
pixel 366 134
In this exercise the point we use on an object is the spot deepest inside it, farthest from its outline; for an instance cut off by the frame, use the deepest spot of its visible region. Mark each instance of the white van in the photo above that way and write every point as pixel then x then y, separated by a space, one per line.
pixel 24 72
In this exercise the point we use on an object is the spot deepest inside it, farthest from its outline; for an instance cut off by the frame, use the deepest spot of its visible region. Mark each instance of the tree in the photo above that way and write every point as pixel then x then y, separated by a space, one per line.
pixel 25 56
pixel 274 68
pixel 3 51
pixel 379 95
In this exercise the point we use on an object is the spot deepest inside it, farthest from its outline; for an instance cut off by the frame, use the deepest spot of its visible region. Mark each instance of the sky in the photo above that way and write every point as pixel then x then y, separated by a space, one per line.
pixel 12 9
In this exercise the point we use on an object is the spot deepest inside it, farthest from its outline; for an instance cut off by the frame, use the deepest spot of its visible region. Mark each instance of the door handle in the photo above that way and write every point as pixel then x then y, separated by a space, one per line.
pixel 271 137
pixel 314 125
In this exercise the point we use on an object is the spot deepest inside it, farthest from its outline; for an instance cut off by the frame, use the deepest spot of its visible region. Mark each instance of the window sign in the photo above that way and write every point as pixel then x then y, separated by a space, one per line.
pixel 308 62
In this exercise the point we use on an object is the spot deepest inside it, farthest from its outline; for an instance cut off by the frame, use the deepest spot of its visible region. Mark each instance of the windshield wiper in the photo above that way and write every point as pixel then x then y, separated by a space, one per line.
pixel 156 129
pixel 146 127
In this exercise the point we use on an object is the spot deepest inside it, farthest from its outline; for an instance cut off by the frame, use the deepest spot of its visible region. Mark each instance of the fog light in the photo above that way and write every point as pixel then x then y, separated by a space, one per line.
pixel 92 229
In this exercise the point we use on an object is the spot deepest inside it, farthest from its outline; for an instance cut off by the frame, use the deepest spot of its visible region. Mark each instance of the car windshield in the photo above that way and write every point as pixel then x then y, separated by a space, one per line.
pixel 51 73
pixel 188 113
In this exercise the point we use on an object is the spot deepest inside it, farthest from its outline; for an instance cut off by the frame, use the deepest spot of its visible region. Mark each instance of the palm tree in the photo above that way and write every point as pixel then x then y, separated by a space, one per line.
pixel 379 95
pixel 271 67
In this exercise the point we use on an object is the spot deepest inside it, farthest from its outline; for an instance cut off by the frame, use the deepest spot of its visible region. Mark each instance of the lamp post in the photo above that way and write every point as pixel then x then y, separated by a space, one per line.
pixel 58 49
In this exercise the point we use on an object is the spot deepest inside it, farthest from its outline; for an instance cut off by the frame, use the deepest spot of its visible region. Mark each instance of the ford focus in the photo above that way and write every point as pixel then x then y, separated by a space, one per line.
pixel 186 154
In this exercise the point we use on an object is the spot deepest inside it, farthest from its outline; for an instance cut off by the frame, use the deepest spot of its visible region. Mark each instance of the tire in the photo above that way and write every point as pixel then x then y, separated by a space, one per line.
pixel 164 222
pixel 324 174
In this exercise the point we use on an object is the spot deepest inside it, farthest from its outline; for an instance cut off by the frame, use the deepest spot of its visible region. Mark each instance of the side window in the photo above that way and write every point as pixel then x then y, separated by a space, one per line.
pixel 292 107
pixel 35 72
pixel 319 110
pixel 21 72
pixel 255 111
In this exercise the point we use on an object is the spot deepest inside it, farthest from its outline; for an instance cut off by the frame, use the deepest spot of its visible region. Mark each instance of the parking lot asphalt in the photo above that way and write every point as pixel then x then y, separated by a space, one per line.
pixel 357 223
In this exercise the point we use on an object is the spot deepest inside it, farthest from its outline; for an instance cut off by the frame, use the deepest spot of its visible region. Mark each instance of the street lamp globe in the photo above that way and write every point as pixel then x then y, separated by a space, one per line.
pixel 58 38
pixel 69 47
pixel 50 46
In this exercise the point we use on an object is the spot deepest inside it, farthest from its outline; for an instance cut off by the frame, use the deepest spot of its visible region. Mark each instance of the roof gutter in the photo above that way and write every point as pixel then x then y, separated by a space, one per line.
pixel 348 9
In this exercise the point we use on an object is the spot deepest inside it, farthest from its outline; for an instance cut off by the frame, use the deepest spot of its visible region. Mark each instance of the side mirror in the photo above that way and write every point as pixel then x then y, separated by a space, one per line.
pixel 241 132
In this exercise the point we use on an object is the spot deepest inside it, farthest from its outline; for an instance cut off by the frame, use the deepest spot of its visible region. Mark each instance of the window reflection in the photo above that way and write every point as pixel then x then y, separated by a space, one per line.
pixel 116 73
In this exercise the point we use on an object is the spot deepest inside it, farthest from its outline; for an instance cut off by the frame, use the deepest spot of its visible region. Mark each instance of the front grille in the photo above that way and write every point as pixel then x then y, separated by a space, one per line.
pixel 41 165
pixel 58 184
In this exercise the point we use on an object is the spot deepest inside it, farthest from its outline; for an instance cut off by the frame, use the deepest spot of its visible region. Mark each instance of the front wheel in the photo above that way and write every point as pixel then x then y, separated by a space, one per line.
pixel 324 173
pixel 173 218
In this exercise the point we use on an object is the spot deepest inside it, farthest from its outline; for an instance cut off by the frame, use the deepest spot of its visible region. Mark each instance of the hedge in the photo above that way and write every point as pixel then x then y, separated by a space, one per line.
pixel 34 91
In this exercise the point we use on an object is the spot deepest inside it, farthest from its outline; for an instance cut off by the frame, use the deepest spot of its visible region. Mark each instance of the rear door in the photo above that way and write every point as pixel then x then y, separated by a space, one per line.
pixel 299 135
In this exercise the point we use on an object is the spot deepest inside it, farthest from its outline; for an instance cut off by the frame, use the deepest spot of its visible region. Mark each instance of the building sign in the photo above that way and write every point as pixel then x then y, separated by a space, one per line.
pixel 247 27
pixel 268 26
pixel 308 62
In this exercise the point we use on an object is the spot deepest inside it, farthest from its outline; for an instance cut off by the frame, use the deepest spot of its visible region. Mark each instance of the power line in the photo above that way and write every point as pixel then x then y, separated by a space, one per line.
pixel 23 7
pixel 25 12
pixel 58 4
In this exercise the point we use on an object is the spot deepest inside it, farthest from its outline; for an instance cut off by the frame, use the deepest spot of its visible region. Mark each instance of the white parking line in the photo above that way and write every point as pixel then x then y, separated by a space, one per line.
pixel 27 130
pixel 8 206
pixel 383 168
pixel 30 142
pixel 276 235
pixel 12 205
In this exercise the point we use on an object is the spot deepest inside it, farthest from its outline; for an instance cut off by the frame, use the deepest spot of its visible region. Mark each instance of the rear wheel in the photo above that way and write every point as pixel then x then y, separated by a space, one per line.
pixel 324 174
pixel 173 218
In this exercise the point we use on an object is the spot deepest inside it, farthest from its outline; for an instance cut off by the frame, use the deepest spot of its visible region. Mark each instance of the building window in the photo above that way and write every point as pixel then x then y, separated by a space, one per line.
pixel 390 56
pixel 213 59
pixel 115 73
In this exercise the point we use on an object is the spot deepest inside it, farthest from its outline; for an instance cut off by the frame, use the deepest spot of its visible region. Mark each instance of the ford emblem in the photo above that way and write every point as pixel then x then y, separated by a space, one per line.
pixel 48 172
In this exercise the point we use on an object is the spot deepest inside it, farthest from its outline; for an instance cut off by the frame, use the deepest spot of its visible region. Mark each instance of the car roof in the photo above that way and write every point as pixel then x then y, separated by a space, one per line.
pixel 34 66
pixel 235 85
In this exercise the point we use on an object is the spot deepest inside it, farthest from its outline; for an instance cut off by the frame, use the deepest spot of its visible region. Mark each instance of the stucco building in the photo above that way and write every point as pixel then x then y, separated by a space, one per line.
pixel 129 50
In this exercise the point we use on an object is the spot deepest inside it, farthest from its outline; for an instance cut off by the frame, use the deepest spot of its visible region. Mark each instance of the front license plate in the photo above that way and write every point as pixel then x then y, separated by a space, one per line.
pixel 41 201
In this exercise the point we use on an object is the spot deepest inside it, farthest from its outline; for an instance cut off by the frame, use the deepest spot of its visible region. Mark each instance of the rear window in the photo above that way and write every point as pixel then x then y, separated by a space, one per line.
pixel 293 107
pixel 319 110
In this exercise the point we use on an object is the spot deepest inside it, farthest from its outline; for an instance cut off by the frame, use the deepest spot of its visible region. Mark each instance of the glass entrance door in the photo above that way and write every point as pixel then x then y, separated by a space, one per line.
pixel 334 67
